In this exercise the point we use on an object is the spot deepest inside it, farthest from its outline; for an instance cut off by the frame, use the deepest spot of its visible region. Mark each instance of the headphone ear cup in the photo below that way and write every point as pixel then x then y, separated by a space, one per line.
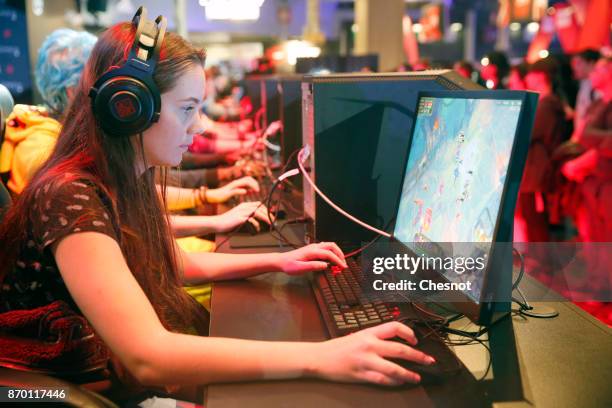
pixel 124 105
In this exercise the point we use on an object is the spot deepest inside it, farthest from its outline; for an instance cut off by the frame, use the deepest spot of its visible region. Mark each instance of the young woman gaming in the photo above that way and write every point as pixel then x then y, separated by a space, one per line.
pixel 90 230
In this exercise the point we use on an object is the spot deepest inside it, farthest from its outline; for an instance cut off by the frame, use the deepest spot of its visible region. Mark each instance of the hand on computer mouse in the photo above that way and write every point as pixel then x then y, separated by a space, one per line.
pixel 363 356
pixel 253 212
pixel 313 257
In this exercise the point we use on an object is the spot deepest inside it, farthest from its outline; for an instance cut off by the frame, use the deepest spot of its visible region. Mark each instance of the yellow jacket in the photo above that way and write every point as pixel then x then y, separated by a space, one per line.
pixel 29 140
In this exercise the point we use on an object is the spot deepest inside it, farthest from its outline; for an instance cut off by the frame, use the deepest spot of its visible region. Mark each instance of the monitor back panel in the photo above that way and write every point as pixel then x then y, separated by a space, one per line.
pixel 291 101
pixel 271 97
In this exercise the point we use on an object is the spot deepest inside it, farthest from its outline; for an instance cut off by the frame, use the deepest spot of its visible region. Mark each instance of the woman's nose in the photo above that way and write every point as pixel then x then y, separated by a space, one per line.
pixel 199 125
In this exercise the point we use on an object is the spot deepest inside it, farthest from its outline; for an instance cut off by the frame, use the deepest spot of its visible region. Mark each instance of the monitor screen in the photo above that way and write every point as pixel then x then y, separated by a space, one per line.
pixel 454 179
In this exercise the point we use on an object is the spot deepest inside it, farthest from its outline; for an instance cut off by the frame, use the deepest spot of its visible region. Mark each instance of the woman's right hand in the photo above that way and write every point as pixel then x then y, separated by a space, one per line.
pixel 362 356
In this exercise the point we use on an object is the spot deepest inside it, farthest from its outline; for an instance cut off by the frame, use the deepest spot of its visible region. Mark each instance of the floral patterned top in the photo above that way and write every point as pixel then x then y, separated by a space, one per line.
pixel 66 207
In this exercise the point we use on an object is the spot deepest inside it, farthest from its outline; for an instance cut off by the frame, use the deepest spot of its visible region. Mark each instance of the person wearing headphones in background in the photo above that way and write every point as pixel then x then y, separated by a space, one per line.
pixel 90 231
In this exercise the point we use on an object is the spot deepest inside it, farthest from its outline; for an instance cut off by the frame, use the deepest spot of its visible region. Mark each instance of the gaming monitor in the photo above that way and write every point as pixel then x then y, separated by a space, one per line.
pixel 465 162
pixel 357 127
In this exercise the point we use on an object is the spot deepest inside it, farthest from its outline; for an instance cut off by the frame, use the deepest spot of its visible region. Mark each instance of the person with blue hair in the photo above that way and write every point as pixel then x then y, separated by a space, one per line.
pixel 32 131
pixel 61 59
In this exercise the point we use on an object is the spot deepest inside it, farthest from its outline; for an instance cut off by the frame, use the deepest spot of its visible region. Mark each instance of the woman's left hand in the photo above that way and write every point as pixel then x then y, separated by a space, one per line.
pixel 313 257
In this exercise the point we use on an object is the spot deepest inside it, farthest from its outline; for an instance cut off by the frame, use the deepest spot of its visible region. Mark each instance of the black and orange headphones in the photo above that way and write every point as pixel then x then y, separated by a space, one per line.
pixel 125 100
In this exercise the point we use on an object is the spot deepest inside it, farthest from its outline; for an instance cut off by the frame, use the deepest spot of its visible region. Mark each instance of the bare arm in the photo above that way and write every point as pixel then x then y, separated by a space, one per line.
pixel 178 198
pixel 201 267
pixel 189 225
pixel 111 299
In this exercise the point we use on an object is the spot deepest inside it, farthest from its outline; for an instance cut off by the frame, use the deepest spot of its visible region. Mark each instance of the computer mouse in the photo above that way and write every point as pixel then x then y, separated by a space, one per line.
pixel 249 228
pixel 447 364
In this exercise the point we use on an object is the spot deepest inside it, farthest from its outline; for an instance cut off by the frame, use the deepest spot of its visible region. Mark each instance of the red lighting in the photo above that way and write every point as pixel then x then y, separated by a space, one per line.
pixel 336 269
pixel 125 107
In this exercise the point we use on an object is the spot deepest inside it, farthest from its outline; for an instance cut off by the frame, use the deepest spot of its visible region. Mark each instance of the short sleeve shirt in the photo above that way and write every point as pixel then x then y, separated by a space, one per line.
pixel 66 207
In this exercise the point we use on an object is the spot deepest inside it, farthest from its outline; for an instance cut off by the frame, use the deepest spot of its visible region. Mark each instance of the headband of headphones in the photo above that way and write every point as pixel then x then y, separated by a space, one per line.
pixel 126 100
pixel 144 53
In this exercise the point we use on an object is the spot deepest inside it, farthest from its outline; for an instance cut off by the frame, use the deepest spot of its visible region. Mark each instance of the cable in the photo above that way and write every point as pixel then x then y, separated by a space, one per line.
pixel 283 177
pixel 279 180
pixel 359 250
pixel 524 305
pixel 525 309
pixel 270 130
pixel 277 183
pixel 301 159
pixel 437 327
pixel 522 270
pixel 372 241
pixel 271 146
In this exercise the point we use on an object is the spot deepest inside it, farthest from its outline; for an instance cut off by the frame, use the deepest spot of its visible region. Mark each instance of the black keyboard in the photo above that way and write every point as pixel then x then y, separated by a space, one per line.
pixel 345 305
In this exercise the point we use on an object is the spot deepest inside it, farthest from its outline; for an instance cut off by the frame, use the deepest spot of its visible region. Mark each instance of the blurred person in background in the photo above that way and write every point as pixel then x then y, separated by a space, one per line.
pixel 591 172
pixel 421 65
pixel 464 68
pixel 494 70
pixel 405 67
pixel 516 78
pixel 594 167
pixel 583 64
pixel 549 129
pixel 32 131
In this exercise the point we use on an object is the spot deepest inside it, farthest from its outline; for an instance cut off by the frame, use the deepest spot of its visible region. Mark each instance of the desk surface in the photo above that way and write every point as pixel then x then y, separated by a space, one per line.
pixel 561 362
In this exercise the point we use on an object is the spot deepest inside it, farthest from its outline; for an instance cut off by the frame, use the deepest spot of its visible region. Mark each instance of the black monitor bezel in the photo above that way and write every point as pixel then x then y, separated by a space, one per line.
pixel 482 312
